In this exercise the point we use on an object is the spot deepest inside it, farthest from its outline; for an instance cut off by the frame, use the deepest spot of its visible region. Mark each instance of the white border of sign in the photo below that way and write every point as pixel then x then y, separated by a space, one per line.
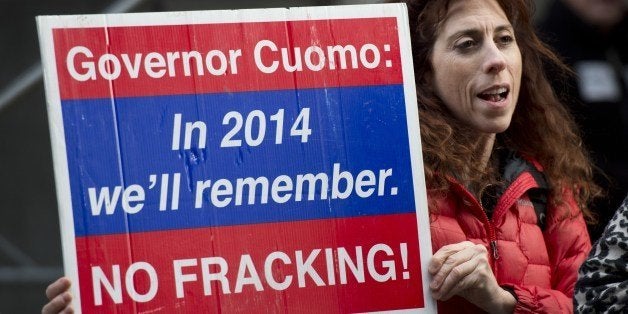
pixel 46 24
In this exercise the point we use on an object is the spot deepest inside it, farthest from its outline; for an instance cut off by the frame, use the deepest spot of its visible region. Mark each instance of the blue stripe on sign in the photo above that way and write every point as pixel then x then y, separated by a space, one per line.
pixel 120 153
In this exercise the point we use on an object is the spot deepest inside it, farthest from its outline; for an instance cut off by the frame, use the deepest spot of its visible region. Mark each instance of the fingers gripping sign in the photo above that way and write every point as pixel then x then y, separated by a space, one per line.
pixel 59 297
pixel 463 269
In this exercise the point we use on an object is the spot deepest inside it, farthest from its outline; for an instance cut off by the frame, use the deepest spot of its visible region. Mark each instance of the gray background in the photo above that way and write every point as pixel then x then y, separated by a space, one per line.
pixel 30 248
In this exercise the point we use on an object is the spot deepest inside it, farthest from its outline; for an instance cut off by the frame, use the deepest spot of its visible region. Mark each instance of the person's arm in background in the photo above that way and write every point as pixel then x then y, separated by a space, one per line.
pixel 602 285
pixel 59 297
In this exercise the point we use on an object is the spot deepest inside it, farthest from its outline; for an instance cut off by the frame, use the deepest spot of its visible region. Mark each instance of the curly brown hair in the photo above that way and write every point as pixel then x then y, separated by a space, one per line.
pixel 542 128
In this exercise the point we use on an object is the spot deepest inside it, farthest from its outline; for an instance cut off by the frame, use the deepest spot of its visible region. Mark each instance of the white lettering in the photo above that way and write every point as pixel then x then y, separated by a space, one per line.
pixel 305 268
pixel 222 187
pixel 100 279
pixel 114 290
pixel 151 64
pixel 337 178
pixel 344 261
pixel 187 56
pixel 103 197
pixel 315 58
pixel 130 282
pixel 171 57
pixel 389 265
pixel 320 56
pixel 308 186
pixel 247 266
pixel 221 275
pixel 179 277
pixel 342 56
pixel 252 184
pixel 311 179
pixel 364 57
pixel 364 179
pixel 155 65
pixel 268 271
pixel 132 68
pixel 109 67
pixel 222 62
pixel 279 271
pixel 281 184
pixel 133 193
pixel 257 54
pixel 90 74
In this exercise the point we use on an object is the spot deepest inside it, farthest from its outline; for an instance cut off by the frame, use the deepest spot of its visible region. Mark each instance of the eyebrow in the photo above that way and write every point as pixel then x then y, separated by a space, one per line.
pixel 475 31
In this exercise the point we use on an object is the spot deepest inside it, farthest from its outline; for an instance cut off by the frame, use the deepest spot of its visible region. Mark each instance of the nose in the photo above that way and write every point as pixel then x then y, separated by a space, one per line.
pixel 494 59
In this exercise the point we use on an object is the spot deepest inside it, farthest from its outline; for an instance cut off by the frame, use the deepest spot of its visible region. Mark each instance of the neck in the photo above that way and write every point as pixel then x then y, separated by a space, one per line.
pixel 483 152
pixel 487 142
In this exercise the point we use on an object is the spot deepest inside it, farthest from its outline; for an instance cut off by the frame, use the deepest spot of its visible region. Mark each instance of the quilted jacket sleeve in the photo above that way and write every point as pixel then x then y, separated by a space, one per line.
pixel 568 245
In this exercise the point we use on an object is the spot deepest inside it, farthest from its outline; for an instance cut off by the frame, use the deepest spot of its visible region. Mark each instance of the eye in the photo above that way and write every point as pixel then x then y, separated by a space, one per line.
pixel 465 45
pixel 505 40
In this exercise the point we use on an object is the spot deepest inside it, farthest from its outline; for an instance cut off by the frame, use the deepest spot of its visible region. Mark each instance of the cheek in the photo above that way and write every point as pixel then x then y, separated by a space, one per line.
pixel 443 69
pixel 515 72
pixel 447 81
pixel 446 89
pixel 516 64
pixel 450 78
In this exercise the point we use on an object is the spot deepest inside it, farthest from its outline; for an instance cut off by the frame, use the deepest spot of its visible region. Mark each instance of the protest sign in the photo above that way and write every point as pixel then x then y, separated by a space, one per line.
pixel 248 160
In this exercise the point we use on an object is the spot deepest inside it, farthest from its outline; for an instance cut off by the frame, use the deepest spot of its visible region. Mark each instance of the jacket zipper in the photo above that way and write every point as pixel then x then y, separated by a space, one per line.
pixel 494 248
pixel 492 234
pixel 492 237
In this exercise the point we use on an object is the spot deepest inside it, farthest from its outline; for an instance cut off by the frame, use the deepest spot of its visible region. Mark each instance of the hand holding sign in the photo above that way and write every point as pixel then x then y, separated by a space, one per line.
pixel 59 296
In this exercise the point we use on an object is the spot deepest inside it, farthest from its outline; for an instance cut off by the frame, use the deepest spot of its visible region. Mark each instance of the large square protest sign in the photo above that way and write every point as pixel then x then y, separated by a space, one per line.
pixel 262 160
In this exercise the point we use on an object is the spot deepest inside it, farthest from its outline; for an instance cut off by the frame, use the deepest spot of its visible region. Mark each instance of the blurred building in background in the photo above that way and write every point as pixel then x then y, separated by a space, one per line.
pixel 30 247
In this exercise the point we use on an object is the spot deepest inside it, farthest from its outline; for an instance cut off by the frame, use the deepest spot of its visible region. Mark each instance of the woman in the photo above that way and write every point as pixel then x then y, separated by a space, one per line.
pixel 490 123
pixel 508 181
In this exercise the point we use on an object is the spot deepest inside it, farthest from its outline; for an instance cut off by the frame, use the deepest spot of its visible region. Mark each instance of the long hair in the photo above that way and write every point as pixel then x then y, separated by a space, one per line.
pixel 541 127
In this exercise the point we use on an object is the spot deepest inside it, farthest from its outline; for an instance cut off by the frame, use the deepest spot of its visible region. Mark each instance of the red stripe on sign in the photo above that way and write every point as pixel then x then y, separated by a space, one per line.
pixel 218 58
pixel 329 266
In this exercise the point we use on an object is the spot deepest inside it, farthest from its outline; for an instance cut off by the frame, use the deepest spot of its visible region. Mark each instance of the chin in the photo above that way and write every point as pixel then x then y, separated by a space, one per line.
pixel 494 128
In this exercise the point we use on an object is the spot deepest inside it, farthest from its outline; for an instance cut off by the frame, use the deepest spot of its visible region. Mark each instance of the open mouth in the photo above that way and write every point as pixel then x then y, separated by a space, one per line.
pixel 494 95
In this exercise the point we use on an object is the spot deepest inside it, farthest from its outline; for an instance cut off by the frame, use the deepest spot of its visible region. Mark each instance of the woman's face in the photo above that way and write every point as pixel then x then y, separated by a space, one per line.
pixel 477 65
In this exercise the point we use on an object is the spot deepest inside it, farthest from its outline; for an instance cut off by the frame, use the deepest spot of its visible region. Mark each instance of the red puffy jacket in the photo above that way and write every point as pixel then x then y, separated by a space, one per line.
pixel 539 266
